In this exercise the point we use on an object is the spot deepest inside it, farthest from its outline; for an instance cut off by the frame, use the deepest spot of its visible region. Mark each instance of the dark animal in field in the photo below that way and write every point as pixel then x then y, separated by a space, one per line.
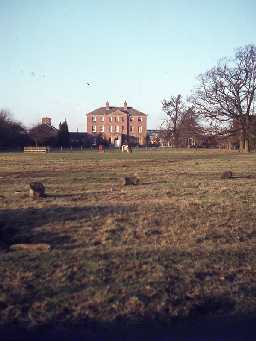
pixel 36 190
pixel 130 180
pixel 227 175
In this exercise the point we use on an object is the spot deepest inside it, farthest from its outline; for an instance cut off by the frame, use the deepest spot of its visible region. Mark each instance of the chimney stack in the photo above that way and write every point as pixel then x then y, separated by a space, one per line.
pixel 107 105
pixel 47 121
pixel 125 105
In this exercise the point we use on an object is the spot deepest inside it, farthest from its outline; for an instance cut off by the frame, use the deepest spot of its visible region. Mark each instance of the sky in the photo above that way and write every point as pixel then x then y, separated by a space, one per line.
pixel 141 51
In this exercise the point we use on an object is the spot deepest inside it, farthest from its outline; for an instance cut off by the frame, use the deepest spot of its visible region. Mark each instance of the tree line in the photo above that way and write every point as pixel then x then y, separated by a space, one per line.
pixel 14 135
pixel 223 104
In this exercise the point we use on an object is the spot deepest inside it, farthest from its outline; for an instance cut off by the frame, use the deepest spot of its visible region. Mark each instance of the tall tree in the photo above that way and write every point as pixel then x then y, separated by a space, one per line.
pixel 175 111
pixel 226 93
pixel 63 135
pixel 181 121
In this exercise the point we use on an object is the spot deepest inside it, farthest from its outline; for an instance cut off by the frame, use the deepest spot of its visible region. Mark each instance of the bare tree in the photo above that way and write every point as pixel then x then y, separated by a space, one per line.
pixel 181 122
pixel 175 111
pixel 227 93
pixel 42 134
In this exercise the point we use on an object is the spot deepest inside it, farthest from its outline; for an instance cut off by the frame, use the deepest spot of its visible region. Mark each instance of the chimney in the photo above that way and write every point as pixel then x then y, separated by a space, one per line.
pixel 125 105
pixel 47 121
pixel 107 105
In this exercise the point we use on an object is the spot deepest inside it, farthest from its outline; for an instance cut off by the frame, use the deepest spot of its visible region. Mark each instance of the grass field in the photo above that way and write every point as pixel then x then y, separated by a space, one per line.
pixel 181 244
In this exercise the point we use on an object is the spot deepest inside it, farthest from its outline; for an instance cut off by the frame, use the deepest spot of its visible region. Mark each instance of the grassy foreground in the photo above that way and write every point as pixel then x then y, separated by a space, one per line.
pixel 181 244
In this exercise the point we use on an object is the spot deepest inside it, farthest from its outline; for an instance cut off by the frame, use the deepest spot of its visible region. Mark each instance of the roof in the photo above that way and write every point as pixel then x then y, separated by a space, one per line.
pixel 111 110
pixel 153 131
pixel 78 134
pixel 47 126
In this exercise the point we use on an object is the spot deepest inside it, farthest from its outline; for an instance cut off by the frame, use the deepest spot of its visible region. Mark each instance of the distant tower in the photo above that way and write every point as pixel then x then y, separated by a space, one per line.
pixel 47 121
pixel 125 105
pixel 107 105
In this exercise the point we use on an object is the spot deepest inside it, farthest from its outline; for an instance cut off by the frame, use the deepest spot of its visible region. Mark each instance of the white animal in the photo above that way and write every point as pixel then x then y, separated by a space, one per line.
pixel 126 148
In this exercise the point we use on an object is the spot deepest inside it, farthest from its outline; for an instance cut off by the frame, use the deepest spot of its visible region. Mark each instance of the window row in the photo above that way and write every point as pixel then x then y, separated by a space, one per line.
pixel 110 119
pixel 132 129
pixel 115 119
pixel 115 129
pixel 111 129
pixel 133 119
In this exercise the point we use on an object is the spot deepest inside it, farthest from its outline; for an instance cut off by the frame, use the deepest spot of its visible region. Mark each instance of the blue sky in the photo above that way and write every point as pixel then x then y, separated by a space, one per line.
pixel 141 51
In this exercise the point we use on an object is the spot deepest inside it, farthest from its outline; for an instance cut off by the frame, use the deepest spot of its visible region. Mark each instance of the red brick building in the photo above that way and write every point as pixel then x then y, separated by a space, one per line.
pixel 118 125
pixel 47 121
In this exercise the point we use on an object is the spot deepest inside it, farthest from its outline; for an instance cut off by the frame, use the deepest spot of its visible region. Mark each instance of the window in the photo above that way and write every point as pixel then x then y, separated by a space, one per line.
pixel 111 129
pixel 102 129
pixel 115 119
pixel 94 118
pixel 118 118
pixel 140 129
pixel 131 119
pixel 131 129
pixel 94 129
pixel 122 119
pixel 110 119
pixel 122 128
pixel 117 129
pixel 140 119
pixel 102 119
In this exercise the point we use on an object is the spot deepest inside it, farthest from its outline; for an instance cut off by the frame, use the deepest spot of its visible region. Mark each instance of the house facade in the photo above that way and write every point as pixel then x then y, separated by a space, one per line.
pixel 118 125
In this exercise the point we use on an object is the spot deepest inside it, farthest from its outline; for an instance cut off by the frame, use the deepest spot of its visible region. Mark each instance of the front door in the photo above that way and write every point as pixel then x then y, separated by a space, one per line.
pixel 118 142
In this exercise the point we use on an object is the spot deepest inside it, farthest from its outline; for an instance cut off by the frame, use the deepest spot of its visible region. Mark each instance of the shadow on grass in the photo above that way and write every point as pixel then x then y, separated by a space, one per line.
pixel 64 196
pixel 210 318
pixel 240 176
pixel 157 329
pixel 30 174
pixel 18 225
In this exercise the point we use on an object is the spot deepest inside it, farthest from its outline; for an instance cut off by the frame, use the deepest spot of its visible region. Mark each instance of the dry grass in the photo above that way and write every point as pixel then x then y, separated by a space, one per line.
pixel 179 244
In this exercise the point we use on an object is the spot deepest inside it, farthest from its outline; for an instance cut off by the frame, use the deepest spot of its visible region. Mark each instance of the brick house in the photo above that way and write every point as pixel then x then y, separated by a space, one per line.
pixel 118 125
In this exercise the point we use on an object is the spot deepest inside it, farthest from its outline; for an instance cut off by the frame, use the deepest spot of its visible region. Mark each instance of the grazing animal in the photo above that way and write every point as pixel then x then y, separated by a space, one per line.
pixel 130 180
pixel 227 175
pixel 36 190
pixel 126 148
